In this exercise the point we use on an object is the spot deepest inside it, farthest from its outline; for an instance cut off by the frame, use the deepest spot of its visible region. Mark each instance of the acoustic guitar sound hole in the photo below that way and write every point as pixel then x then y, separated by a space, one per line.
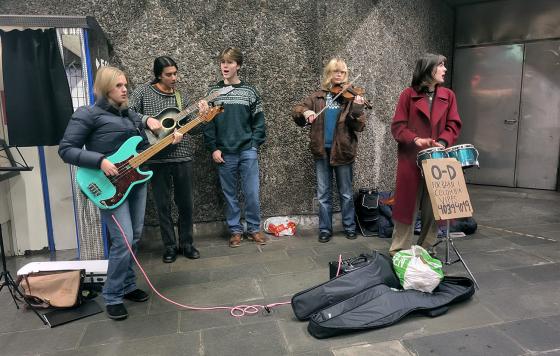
pixel 182 122
pixel 168 123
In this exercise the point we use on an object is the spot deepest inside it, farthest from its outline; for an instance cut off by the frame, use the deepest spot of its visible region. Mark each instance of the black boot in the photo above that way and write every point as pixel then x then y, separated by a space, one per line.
pixel 191 252
pixel 325 236
pixel 170 254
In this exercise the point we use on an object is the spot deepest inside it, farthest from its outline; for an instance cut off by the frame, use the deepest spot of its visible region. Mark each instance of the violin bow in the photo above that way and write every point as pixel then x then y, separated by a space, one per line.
pixel 337 95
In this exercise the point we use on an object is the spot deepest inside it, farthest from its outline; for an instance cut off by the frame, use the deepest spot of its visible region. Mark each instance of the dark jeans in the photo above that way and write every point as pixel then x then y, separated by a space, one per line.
pixel 179 176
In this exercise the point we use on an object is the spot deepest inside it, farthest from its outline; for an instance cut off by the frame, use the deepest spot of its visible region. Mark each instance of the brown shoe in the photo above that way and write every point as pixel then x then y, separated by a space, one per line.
pixel 258 238
pixel 235 240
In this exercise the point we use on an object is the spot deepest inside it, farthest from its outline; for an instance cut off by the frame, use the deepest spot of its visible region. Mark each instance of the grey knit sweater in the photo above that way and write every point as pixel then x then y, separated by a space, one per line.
pixel 149 101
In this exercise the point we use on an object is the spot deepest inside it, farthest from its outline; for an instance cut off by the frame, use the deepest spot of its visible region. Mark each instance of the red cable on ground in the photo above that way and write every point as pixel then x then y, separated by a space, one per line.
pixel 237 311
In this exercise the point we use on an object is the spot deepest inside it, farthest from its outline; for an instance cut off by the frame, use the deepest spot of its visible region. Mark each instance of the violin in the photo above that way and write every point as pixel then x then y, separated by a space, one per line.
pixel 349 93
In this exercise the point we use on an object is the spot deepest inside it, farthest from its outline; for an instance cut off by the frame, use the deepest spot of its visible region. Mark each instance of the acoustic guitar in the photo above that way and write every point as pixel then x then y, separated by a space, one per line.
pixel 172 118
pixel 108 192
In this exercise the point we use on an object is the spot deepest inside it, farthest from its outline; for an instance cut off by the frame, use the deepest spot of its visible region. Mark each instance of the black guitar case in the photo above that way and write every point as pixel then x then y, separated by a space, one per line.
pixel 380 305
pixel 378 269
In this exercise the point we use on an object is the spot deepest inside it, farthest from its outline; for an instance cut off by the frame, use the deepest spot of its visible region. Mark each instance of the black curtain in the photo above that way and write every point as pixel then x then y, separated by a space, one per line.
pixel 38 101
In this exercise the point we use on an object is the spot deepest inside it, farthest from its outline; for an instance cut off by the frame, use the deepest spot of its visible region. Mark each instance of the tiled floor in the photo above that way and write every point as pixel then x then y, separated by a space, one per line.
pixel 514 255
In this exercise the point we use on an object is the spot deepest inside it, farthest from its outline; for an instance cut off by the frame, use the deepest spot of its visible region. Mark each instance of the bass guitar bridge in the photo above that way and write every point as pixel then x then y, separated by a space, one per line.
pixel 94 189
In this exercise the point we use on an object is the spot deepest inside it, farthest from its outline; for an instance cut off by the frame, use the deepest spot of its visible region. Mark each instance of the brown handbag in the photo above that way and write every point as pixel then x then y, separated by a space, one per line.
pixel 59 289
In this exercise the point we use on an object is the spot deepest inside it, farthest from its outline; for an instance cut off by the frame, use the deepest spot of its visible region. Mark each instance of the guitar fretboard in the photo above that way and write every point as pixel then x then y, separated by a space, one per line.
pixel 136 161
pixel 192 108
pixel 142 157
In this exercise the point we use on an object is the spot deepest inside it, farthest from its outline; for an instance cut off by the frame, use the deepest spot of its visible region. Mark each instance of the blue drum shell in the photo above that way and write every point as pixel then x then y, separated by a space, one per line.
pixel 467 156
pixel 431 154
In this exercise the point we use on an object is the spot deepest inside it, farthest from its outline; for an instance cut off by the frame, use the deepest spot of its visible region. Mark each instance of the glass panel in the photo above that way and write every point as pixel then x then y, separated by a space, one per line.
pixel 73 63
pixel 3 127
pixel 487 81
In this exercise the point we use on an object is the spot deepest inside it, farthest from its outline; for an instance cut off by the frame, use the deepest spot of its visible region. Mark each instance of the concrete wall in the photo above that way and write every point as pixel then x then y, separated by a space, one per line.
pixel 286 43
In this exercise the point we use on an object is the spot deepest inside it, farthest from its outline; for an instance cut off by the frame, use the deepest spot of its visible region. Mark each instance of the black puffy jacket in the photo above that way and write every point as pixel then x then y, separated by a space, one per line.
pixel 102 129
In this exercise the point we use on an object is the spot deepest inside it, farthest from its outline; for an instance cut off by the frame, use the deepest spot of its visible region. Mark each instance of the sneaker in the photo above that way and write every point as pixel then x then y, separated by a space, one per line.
pixel 235 240
pixel 137 295
pixel 258 238
pixel 351 235
pixel 116 311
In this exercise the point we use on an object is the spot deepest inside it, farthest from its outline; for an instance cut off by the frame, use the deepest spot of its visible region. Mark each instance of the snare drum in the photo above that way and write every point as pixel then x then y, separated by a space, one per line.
pixel 430 153
pixel 466 154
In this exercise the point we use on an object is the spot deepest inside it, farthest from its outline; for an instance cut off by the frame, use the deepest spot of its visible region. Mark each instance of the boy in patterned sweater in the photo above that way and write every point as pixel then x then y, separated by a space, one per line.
pixel 234 137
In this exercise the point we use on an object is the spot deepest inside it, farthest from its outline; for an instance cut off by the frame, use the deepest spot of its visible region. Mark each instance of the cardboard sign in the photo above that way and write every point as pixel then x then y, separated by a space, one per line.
pixel 447 188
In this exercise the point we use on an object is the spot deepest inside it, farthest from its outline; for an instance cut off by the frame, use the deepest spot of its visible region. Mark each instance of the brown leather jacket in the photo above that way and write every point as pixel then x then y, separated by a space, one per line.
pixel 352 119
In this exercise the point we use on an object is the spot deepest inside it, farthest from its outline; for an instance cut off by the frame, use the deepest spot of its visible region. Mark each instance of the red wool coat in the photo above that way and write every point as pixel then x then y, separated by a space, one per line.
pixel 412 119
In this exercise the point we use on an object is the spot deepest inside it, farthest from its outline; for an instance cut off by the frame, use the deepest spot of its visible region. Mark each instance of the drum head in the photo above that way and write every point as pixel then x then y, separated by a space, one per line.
pixel 460 147
pixel 430 150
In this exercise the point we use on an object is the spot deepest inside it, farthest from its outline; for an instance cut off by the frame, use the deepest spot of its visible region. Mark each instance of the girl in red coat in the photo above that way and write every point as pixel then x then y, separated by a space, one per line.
pixel 426 116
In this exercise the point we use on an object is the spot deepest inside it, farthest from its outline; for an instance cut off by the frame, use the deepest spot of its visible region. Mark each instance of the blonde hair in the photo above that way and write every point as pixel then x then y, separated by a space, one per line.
pixel 232 53
pixel 335 64
pixel 105 81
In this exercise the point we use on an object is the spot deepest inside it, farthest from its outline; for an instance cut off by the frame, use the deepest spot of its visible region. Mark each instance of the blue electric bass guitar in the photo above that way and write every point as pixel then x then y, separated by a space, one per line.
pixel 108 192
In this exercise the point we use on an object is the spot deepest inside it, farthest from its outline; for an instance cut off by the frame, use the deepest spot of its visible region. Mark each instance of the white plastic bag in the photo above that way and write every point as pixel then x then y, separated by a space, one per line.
pixel 280 226
pixel 418 270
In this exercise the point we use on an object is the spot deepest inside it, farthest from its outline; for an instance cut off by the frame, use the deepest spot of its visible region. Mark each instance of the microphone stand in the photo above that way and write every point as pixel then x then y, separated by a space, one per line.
pixel 5 275
pixel 11 285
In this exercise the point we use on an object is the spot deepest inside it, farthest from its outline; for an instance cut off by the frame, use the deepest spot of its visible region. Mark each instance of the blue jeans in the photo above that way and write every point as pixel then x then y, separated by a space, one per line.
pixel 244 164
pixel 120 273
pixel 324 194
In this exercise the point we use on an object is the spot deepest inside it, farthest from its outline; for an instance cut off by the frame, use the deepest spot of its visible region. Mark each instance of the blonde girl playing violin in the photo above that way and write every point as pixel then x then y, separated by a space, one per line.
pixel 333 145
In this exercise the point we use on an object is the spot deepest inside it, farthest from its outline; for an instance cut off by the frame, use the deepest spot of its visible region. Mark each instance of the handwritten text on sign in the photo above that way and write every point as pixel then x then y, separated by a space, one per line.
pixel 447 188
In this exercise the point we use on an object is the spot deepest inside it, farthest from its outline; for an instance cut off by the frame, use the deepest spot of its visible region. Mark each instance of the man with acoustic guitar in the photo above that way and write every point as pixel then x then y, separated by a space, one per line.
pixel 172 167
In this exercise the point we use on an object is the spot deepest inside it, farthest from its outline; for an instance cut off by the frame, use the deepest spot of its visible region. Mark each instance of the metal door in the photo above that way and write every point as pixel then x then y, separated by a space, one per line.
pixel 538 144
pixel 487 82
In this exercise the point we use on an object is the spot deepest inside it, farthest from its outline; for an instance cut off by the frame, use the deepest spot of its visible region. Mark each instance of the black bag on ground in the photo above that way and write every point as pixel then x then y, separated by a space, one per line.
pixel 385 222
pixel 348 265
pixel 366 205
pixel 380 305
pixel 378 270
pixel 466 225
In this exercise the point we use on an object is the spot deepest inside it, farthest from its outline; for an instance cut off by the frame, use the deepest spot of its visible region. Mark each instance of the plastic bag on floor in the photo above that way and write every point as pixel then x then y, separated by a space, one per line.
pixel 280 226
pixel 418 270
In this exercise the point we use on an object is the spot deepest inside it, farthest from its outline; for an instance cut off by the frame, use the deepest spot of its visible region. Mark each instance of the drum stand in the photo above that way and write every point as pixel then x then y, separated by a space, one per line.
pixel 450 245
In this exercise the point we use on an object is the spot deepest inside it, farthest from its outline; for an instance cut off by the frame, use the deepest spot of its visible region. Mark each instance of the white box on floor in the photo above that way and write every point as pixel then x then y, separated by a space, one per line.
pixel 96 270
